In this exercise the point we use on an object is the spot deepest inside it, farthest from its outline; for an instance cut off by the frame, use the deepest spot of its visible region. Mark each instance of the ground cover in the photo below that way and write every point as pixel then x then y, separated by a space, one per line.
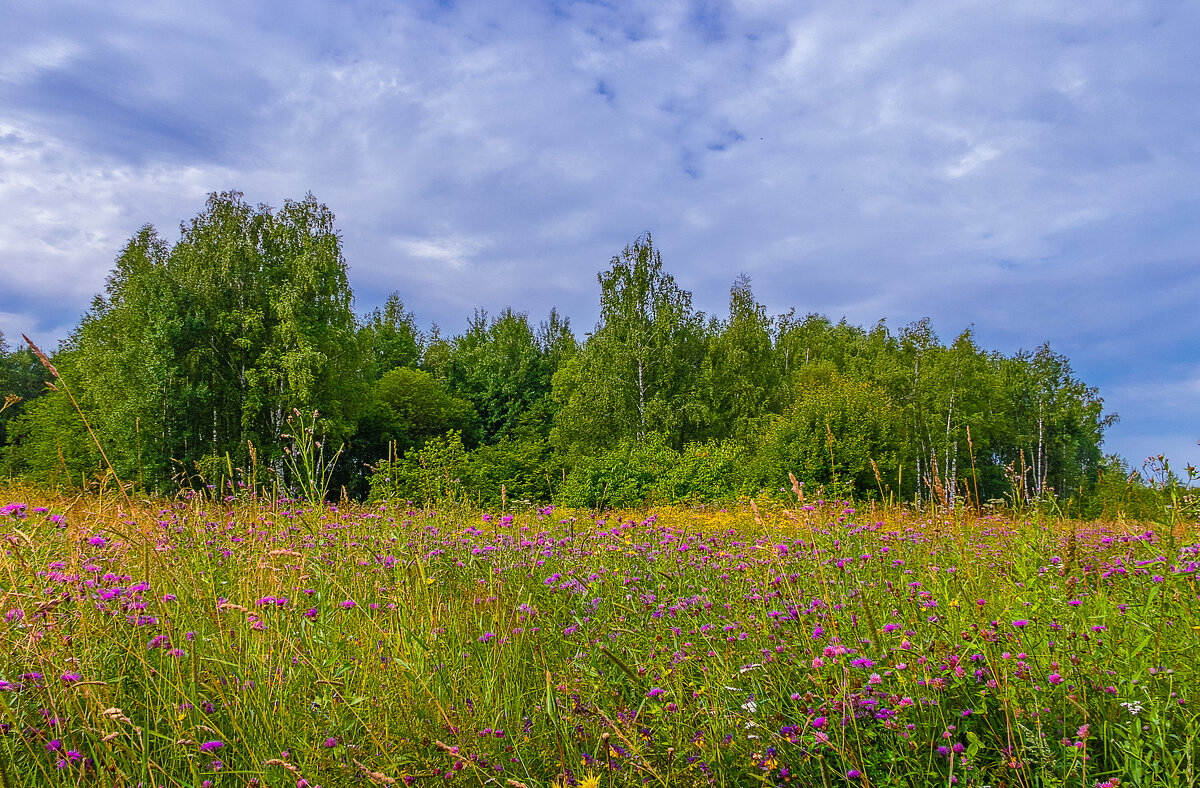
pixel 245 642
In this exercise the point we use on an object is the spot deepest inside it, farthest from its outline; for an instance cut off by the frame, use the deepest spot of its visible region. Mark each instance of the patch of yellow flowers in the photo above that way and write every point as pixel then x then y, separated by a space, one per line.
pixel 590 780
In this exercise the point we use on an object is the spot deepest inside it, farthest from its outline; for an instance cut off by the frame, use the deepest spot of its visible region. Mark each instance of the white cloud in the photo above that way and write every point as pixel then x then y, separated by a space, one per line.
pixel 1024 167
pixel 455 253
pixel 29 59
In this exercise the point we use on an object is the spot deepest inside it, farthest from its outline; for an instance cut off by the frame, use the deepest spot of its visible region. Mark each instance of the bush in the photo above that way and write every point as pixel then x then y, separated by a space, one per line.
pixel 428 476
pixel 706 473
pixel 622 477
pixel 651 472
pixel 525 468
pixel 830 435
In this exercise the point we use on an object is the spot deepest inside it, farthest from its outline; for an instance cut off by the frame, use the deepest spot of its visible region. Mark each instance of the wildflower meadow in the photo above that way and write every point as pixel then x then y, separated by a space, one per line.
pixel 255 642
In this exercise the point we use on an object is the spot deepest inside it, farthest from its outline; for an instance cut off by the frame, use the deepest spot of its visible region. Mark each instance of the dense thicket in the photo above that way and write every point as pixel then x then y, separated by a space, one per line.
pixel 191 361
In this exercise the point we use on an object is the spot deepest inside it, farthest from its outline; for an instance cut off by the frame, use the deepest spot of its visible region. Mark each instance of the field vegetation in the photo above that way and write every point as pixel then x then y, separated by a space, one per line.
pixel 235 640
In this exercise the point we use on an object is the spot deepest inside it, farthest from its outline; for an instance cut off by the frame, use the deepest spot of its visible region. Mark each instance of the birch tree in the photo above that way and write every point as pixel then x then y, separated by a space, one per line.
pixel 741 380
pixel 637 373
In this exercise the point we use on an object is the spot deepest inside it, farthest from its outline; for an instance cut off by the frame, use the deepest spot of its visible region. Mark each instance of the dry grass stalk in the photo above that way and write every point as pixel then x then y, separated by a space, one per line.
pixel 797 487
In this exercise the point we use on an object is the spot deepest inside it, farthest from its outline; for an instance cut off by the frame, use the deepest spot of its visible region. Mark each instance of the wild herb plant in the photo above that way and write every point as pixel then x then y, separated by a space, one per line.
pixel 305 457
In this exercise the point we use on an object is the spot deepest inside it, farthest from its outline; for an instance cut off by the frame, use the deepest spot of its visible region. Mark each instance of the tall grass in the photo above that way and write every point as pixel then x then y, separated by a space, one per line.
pixel 253 642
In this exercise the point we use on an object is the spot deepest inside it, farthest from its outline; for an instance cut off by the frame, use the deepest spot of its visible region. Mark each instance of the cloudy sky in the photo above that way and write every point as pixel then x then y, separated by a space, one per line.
pixel 1029 168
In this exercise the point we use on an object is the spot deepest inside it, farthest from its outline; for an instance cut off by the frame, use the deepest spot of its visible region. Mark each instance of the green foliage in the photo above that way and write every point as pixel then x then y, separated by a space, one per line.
pixel 832 432
pixel 49 444
pixel 203 348
pixel 442 471
pixel 638 372
pixel 22 379
pixel 431 475
pixel 625 476
pixel 713 471
pixel 635 474
pixel 1120 494
pixel 277 312
pixel 420 407
pixel 391 337
pixel 504 368
pixel 741 379
pixel 122 362
pixel 524 469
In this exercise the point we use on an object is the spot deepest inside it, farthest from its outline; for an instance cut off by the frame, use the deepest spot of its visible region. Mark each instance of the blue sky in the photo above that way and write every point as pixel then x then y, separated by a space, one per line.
pixel 1028 168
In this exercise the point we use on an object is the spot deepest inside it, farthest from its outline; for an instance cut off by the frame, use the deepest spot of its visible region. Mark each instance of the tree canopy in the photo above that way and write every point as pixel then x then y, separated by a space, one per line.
pixel 195 354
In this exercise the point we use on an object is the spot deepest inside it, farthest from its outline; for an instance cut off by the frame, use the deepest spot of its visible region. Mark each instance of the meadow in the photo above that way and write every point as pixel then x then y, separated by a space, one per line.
pixel 236 641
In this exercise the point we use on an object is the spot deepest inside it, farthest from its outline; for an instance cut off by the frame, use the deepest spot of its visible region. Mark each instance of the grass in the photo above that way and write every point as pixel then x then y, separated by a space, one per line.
pixel 245 642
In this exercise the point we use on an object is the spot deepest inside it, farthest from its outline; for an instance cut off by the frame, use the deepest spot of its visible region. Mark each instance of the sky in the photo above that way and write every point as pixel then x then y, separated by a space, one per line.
pixel 1029 169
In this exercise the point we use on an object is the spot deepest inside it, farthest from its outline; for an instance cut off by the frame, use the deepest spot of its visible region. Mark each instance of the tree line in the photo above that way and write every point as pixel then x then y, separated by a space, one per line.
pixel 190 363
